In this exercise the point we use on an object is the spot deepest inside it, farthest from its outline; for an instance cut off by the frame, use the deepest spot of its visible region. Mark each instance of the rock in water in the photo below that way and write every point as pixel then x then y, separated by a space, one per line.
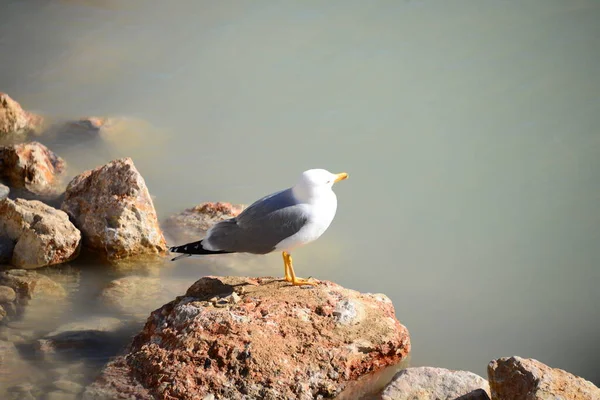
pixel 428 383
pixel 270 341
pixel 42 235
pixel 29 285
pixel 15 120
pixel 113 209
pixel 192 223
pixel 31 166
pixel 516 378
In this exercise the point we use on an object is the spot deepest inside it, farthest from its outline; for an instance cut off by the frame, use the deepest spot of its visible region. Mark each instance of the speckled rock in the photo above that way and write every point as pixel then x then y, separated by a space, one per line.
pixel 15 120
pixel 31 285
pixel 516 378
pixel 42 235
pixel 271 341
pixel 194 222
pixel 31 166
pixel 428 383
pixel 113 209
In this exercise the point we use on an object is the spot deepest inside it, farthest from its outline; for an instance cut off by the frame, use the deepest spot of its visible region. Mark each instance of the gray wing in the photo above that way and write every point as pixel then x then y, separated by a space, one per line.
pixel 261 226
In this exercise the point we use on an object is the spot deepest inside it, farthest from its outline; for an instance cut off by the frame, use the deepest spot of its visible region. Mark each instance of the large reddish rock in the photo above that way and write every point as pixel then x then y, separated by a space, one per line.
pixel 242 338
pixel 112 207
pixel 42 235
pixel 15 120
pixel 516 378
pixel 31 166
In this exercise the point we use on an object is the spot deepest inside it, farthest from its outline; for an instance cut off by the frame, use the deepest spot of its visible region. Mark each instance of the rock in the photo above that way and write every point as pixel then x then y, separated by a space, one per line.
pixel 516 378
pixel 277 341
pixel 428 383
pixel 90 337
pixel 43 235
pixel 138 295
pixel 7 294
pixel 8 353
pixel 31 285
pixel 68 386
pixel 15 120
pixel 4 191
pixel 113 209
pixel 195 221
pixel 31 166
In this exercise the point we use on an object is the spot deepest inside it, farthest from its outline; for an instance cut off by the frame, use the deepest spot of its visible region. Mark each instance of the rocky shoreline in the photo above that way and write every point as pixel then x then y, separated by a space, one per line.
pixel 224 337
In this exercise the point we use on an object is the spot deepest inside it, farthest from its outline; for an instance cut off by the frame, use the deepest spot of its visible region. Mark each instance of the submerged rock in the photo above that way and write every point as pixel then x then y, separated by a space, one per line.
pixel 15 120
pixel 271 340
pixel 516 378
pixel 428 383
pixel 136 296
pixel 7 294
pixel 42 235
pixel 30 285
pixel 31 166
pixel 113 209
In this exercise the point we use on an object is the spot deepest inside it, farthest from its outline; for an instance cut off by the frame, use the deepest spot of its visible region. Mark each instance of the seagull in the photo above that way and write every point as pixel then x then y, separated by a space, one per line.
pixel 281 221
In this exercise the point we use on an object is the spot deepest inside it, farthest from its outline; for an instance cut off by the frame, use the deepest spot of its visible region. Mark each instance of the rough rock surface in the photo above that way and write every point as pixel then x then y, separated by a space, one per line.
pixel 31 166
pixel 15 120
pixel 516 378
pixel 42 235
pixel 243 338
pixel 113 209
pixel 428 383
pixel 31 285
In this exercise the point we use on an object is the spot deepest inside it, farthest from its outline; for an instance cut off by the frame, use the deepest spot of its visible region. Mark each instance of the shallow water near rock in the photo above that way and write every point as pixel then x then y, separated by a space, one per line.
pixel 469 133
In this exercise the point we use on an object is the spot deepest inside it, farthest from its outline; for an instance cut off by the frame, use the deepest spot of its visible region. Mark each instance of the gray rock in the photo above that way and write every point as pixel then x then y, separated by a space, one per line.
pixel 43 235
pixel 428 383
pixel 7 294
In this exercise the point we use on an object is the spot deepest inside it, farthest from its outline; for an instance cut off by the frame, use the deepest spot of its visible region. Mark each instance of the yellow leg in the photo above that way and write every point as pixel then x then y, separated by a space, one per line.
pixel 287 259
pixel 286 266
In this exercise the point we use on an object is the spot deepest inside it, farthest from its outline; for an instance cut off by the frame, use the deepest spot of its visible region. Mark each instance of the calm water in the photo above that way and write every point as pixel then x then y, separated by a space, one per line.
pixel 470 132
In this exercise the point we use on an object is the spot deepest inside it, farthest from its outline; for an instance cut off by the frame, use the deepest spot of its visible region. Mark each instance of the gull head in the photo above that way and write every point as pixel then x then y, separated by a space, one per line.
pixel 316 180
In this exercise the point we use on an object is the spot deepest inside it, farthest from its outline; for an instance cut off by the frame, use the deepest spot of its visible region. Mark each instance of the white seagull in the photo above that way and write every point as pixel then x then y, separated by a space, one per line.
pixel 281 221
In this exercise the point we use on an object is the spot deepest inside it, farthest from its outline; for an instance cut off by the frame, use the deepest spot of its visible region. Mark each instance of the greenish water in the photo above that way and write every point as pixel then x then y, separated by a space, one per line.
pixel 470 130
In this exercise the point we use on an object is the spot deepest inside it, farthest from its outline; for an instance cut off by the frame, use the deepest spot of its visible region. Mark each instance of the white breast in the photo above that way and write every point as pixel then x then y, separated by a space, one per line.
pixel 320 211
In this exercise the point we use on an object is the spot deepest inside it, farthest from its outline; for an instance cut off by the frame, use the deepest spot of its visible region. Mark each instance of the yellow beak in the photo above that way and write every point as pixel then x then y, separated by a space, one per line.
pixel 341 177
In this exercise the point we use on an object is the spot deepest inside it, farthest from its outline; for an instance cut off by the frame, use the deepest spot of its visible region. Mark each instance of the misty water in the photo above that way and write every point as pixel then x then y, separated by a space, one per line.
pixel 470 130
